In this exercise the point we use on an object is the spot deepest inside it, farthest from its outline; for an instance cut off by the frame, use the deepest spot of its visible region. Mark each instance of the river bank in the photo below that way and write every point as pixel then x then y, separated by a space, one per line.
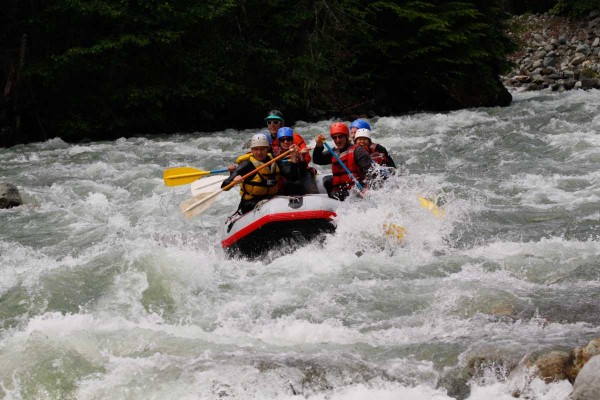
pixel 555 53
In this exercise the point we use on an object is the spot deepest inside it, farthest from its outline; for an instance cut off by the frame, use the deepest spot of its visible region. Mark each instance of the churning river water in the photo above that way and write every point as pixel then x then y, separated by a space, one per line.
pixel 108 292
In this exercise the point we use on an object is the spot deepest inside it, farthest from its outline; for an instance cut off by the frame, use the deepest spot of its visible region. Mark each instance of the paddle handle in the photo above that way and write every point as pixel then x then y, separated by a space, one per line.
pixel 232 184
pixel 339 160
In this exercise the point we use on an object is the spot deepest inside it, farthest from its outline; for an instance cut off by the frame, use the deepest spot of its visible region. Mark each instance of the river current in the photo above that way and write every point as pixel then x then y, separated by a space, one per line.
pixel 108 292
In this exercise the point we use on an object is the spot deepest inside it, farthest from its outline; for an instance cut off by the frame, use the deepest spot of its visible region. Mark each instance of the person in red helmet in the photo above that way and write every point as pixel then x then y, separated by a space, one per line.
pixel 355 157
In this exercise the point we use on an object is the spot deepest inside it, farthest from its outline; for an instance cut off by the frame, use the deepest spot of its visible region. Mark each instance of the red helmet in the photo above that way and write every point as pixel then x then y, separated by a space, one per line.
pixel 339 128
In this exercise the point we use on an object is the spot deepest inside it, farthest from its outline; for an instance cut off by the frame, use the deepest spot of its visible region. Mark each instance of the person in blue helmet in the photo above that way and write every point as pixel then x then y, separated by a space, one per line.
pixel 306 183
pixel 356 125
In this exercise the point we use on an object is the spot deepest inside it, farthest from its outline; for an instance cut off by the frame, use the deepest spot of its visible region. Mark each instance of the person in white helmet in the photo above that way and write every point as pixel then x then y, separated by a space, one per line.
pixel 378 153
pixel 382 165
pixel 264 183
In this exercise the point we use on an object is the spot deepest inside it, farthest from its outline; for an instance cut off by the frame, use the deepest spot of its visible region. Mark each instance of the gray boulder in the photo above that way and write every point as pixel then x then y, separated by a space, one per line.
pixel 9 196
pixel 587 383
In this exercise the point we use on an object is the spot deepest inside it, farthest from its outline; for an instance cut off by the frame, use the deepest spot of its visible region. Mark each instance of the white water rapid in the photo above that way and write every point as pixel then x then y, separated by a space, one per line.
pixel 108 292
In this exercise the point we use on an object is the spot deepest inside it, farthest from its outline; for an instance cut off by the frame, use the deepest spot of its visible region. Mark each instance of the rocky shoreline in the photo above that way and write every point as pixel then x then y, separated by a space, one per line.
pixel 555 53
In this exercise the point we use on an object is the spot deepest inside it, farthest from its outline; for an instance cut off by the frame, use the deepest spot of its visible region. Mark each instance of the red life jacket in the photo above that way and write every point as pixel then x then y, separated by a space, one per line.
pixel 378 157
pixel 341 179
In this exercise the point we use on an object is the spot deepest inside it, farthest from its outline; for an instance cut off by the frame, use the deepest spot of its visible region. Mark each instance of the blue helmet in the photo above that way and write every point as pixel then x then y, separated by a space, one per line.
pixel 285 132
pixel 360 124
pixel 268 135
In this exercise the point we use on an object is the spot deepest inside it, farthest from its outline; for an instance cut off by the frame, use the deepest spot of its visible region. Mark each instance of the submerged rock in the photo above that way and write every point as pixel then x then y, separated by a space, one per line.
pixel 9 196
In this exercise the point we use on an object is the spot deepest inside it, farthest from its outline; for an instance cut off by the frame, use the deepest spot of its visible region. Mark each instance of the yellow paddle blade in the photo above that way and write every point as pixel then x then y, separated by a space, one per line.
pixel 182 175
pixel 394 230
pixel 431 206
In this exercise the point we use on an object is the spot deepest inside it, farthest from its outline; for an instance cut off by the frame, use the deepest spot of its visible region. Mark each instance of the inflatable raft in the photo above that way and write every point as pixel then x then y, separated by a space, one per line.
pixel 280 220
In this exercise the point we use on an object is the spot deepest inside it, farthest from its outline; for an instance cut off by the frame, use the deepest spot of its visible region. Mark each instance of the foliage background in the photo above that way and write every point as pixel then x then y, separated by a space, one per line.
pixel 102 69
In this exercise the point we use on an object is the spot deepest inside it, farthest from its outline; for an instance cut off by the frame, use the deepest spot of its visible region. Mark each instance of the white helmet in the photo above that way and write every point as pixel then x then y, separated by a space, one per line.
pixel 259 140
pixel 363 132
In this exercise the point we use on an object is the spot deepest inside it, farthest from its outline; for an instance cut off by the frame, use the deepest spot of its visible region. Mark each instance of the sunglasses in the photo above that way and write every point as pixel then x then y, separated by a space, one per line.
pixel 286 139
pixel 273 121
pixel 338 137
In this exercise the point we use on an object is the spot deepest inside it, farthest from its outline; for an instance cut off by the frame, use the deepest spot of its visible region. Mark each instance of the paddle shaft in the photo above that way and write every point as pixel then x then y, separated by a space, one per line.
pixel 200 173
pixel 358 185
pixel 232 184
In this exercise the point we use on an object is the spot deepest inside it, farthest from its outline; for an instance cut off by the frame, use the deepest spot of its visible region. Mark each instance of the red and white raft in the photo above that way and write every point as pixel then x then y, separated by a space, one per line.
pixel 277 221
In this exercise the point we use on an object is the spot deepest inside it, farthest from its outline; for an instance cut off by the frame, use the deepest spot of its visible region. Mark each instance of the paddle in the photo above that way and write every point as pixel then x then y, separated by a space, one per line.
pixel 431 206
pixel 191 210
pixel 339 160
pixel 201 189
pixel 207 184
pixel 184 175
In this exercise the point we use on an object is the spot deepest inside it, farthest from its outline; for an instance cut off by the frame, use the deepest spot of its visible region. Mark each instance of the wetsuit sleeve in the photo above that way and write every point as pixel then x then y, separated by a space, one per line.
pixel 362 159
pixel 289 170
pixel 241 170
pixel 321 156
pixel 381 149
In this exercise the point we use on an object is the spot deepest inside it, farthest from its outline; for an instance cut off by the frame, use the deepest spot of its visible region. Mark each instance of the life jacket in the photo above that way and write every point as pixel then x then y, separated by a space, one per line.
pixel 263 183
pixel 341 179
pixel 379 157
pixel 243 157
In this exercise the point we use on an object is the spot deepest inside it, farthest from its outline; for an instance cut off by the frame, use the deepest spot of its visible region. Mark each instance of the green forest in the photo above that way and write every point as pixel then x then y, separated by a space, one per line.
pixel 101 69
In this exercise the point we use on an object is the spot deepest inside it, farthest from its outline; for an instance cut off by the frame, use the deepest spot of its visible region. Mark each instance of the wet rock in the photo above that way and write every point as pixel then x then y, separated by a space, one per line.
pixel 588 83
pixel 533 87
pixel 587 384
pixel 486 361
pixel 9 196
pixel 580 356
pixel 553 366
pixel 523 78
pixel 538 78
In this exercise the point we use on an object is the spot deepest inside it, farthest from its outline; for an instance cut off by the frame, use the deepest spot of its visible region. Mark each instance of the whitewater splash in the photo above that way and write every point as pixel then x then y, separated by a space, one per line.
pixel 107 291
